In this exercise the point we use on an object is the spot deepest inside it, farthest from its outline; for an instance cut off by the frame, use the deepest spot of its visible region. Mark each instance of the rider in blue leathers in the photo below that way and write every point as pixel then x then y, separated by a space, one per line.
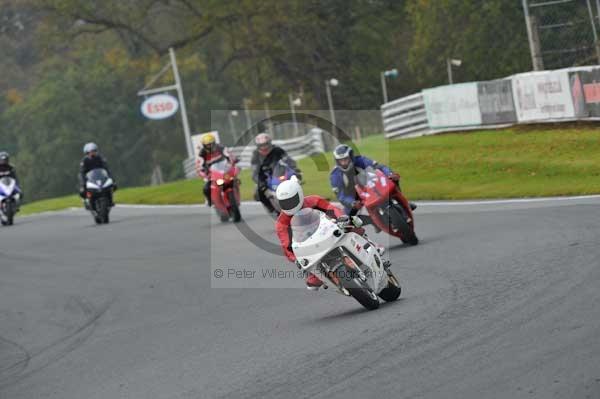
pixel 342 176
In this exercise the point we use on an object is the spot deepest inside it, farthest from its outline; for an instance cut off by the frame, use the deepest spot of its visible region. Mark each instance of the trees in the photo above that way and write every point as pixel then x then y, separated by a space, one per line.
pixel 490 38
pixel 73 72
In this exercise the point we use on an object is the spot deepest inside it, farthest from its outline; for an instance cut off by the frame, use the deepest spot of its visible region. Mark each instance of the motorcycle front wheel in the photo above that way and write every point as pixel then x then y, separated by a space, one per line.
pixel 349 280
pixel 9 211
pixel 235 210
pixel 399 223
pixel 102 209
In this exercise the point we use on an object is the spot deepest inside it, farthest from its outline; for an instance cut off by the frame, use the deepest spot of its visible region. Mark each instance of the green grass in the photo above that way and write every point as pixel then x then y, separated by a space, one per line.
pixel 527 161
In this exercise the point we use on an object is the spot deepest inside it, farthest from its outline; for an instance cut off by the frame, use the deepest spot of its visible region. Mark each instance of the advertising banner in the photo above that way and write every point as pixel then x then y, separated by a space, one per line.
pixel 496 102
pixel 452 106
pixel 540 96
pixel 585 91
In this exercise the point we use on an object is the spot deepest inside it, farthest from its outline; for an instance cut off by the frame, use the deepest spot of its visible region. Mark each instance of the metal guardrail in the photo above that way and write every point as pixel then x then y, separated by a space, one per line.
pixel 297 148
pixel 405 117
pixel 563 95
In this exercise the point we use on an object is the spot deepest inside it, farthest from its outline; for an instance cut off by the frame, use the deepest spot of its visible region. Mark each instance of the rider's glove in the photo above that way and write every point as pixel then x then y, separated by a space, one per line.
pixel 357 205
pixel 343 221
pixel 356 221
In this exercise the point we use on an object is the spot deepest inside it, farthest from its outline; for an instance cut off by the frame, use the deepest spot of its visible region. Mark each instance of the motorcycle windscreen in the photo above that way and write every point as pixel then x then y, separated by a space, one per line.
pixel 305 223
pixel 6 184
pixel 367 177
pixel 6 181
pixel 278 174
pixel 98 174
pixel 221 166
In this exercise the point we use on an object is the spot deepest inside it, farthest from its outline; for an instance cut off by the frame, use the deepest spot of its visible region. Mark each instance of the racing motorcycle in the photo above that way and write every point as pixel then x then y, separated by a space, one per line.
pixel 387 206
pixel 99 187
pixel 342 258
pixel 10 196
pixel 280 173
pixel 225 190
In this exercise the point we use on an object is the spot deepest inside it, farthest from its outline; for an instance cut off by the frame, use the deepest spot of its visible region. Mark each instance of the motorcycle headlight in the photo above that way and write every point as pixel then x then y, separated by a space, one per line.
pixel 220 182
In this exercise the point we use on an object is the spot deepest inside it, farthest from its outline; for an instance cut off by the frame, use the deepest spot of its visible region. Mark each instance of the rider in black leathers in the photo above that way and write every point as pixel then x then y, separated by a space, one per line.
pixel 92 160
pixel 264 158
pixel 6 169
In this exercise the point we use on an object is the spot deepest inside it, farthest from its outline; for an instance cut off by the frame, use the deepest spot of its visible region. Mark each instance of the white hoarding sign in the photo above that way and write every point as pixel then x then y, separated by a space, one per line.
pixel 542 95
pixel 452 106
pixel 160 106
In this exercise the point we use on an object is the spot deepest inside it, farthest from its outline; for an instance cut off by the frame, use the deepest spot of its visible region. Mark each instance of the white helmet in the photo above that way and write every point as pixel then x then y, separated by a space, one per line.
pixel 290 196
pixel 89 147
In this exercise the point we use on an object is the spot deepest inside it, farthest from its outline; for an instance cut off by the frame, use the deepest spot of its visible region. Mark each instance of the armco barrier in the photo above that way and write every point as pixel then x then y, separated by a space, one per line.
pixel 297 148
pixel 533 97
pixel 405 117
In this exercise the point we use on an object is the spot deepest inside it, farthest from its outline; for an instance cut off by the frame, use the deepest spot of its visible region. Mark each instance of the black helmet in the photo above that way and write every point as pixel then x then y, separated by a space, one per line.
pixel 344 157
pixel 4 158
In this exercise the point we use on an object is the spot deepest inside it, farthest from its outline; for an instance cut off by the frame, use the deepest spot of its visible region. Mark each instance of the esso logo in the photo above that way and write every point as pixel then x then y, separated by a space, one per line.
pixel 160 106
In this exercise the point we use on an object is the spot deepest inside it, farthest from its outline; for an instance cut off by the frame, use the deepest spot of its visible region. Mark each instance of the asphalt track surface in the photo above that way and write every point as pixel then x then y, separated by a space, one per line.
pixel 500 300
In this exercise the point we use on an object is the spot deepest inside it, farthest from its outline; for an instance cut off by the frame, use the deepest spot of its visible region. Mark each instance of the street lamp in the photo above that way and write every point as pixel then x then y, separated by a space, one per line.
pixel 450 62
pixel 328 84
pixel 247 102
pixel 230 116
pixel 293 104
pixel 267 95
pixel 391 73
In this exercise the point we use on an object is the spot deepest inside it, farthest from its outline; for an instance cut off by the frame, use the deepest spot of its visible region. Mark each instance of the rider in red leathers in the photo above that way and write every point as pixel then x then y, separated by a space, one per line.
pixel 291 200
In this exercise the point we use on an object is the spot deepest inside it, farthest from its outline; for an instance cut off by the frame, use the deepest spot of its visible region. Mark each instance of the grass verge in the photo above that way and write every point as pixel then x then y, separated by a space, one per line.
pixel 524 161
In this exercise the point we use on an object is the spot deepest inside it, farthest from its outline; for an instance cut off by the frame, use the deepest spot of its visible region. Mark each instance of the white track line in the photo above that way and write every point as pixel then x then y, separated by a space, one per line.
pixel 420 203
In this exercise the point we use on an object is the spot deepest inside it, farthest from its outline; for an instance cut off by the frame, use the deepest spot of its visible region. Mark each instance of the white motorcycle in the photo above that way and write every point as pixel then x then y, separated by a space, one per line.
pixel 99 189
pixel 10 198
pixel 342 258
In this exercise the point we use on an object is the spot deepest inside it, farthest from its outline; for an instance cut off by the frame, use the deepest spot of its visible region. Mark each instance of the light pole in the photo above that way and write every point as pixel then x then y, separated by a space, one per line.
pixel 230 116
pixel 178 87
pixel 596 44
pixel 246 102
pixel 328 84
pixel 267 95
pixel 391 73
pixel 450 62
pixel 293 104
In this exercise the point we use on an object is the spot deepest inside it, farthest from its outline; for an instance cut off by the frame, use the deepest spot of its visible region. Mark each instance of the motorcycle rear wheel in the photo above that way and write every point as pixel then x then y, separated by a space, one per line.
pixel 392 291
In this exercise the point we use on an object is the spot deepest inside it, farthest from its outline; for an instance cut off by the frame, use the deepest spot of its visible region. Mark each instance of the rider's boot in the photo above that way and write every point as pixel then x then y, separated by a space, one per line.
pixel 313 282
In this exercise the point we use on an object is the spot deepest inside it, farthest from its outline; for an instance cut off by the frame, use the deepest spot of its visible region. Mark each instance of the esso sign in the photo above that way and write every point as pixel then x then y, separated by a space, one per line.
pixel 160 106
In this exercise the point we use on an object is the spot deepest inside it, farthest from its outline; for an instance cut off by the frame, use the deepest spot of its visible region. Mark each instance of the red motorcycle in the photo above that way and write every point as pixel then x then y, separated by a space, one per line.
pixel 387 206
pixel 225 190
